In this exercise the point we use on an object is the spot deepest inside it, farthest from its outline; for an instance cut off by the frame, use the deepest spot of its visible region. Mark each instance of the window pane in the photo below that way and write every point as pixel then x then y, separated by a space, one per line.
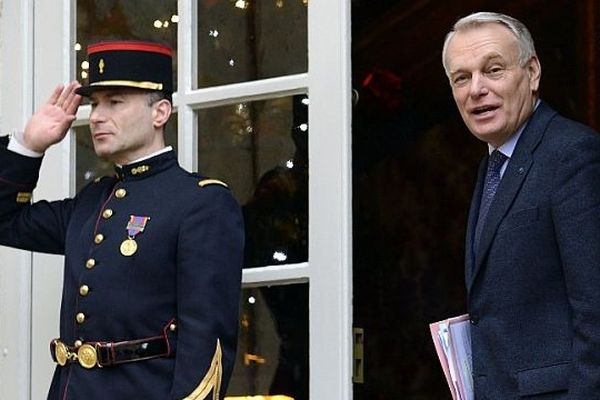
pixel 272 356
pixel 260 150
pixel 242 40
pixel 88 166
pixel 99 20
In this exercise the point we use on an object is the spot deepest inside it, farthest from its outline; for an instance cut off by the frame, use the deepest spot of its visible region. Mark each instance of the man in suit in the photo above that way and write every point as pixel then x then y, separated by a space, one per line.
pixel 533 237
pixel 153 254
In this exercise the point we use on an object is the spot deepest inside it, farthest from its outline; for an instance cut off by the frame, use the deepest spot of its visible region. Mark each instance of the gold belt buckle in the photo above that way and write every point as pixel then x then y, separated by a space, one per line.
pixel 87 356
pixel 61 353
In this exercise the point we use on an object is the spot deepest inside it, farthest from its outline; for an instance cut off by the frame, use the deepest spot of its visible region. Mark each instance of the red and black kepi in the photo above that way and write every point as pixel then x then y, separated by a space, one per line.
pixel 134 64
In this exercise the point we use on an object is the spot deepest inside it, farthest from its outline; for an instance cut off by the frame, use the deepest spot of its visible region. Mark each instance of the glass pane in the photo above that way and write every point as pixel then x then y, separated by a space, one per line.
pixel 272 356
pixel 99 20
pixel 260 150
pixel 242 40
pixel 88 166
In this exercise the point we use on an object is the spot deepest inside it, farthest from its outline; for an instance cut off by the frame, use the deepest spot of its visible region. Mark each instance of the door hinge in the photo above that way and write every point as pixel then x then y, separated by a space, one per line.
pixel 358 360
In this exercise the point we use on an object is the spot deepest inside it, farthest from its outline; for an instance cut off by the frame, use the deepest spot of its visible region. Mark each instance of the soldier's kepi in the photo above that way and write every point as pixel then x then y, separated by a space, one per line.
pixel 140 65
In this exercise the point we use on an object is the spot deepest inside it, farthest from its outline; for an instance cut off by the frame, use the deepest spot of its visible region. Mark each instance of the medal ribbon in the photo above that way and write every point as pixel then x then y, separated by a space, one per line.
pixel 136 225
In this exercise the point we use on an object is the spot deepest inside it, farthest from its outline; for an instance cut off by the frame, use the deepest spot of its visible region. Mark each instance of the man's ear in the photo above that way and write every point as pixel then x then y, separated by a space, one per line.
pixel 161 112
pixel 534 70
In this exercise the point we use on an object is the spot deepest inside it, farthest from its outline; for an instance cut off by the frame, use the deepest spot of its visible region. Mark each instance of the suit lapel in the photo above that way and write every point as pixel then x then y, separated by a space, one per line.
pixel 518 167
pixel 507 190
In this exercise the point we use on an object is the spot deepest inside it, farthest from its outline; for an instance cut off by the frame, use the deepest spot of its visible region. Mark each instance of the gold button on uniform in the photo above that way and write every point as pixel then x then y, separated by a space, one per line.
pixel 78 343
pixel 106 214
pixel 120 193
pixel 89 264
pixel 98 238
pixel 80 318
pixel 172 327
pixel 84 290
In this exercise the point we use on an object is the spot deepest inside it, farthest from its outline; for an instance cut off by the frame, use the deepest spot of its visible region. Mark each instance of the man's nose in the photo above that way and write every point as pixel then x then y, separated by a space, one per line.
pixel 96 115
pixel 478 86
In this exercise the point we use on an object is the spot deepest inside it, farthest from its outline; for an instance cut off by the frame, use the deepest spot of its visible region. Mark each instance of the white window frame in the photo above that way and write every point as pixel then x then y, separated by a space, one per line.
pixel 41 36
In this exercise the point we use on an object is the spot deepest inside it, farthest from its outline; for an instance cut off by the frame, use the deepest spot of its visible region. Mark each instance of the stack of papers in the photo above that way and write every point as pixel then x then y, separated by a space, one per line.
pixel 452 340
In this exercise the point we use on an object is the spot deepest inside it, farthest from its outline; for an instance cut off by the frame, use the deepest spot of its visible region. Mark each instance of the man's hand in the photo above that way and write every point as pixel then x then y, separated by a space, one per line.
pixel 51 122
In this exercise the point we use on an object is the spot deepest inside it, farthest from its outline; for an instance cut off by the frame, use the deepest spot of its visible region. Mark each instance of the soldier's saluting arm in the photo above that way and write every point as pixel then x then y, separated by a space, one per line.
pixel 41 227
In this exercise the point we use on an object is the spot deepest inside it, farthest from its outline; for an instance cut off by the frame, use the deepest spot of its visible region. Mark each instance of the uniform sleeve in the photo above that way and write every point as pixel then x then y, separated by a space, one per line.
pixel 576 213
pixel 209 265
pixel 36 227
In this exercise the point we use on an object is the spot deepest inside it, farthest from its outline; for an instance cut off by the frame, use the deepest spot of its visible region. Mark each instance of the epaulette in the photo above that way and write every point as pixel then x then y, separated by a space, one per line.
pixel 24 197
pixel 98 179
pixel 207 182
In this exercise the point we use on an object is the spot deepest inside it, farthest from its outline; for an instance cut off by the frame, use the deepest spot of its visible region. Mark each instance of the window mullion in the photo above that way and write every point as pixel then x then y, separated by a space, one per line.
pixel 186 50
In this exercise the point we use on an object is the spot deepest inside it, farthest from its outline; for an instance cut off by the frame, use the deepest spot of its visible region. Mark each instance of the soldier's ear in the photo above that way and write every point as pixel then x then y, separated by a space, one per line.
pixel 161 112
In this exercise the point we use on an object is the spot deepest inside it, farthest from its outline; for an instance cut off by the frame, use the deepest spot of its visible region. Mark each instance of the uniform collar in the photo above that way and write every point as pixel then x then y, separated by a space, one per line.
pixel 147 166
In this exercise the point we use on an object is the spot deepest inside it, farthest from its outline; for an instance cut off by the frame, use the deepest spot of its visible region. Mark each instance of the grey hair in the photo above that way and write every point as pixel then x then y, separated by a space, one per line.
pixel 518 29
pixel 156 95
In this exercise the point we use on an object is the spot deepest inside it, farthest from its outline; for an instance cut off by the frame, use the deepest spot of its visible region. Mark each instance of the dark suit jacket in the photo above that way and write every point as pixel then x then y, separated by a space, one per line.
pixel 534 283
pixel 186 271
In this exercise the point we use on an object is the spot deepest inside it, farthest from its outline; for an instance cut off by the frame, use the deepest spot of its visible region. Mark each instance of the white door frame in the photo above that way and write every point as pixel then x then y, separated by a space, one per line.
pixel 330 204
pixel 53 62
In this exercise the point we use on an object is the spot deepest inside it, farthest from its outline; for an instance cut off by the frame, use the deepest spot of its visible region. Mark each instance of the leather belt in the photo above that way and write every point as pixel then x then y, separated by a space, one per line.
pixel 103 354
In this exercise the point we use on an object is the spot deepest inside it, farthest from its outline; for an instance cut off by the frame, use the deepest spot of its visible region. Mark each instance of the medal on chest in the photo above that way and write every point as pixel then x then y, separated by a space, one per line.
pixel 128 247
pixel 135 226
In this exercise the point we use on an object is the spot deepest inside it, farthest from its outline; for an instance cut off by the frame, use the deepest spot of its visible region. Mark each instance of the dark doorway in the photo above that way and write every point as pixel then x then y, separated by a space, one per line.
pixel 414 166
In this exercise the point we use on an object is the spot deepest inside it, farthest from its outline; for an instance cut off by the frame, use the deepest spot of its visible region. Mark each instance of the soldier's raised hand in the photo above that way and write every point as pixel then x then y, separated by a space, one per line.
pixel 51 122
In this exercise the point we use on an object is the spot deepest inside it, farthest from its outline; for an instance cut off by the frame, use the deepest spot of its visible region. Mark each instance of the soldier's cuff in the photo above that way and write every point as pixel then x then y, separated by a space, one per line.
pixel 15 145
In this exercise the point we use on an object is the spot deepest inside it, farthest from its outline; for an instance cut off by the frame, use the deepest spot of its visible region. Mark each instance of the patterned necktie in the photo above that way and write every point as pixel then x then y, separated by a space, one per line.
pixel 492 179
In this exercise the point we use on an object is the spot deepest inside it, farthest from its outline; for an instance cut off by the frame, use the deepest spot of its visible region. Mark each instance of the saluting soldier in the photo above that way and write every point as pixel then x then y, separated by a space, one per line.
pixel 153 254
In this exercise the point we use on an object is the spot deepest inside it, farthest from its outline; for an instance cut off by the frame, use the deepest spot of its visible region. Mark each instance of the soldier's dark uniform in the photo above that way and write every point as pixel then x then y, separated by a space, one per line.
pixel 172 298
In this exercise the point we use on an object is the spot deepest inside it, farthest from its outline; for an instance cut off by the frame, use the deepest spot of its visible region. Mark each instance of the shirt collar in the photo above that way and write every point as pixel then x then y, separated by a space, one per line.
pixel 164 150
